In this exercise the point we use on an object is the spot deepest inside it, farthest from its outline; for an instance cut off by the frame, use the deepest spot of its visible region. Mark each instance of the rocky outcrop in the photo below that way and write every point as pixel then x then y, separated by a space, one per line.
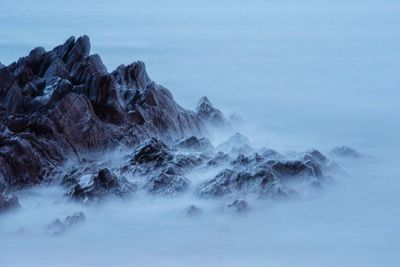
pixel 210 115
pixel 104 184
pixel 63 103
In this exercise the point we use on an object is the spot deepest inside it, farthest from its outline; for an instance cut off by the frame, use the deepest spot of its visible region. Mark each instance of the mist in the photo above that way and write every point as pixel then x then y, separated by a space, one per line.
pixel 302 74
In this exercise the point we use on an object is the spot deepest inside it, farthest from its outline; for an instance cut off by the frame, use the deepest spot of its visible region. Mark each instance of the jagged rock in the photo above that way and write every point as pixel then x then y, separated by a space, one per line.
pixel 166 183
pixel 104 184
pixel 74 116
pixel 195 144
pixel 239 206
pixel 153 154
pixel 229 181
pixel 8 201
pixel 58 227
pixel 211 115
pixel 192 211
pixel 64 102
pixel 345 151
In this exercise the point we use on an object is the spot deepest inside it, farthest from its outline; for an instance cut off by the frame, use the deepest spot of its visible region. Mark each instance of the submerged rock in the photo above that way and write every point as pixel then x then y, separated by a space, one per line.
pixel 345 151
pixel 192 211
pixel 59 227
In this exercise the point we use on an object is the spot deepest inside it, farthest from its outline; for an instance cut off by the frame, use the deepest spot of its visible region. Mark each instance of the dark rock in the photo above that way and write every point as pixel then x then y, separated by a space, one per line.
pixel 64 102
pixel 8 201
pixel 294 168
pixel 104 184
pixel 260 180
pixel 151 152
pixel 211 115
pixel 192 211
pixel 166 184
pixel 345 151
pixel 195 144
pixel 239 206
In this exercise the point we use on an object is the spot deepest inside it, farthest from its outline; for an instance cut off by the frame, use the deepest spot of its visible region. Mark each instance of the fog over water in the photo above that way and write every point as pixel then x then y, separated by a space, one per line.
pixel 303 74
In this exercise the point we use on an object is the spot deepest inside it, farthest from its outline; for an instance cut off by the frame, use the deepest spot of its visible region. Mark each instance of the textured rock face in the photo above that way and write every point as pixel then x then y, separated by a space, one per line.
pixel 210 115
pixel 62 103
pixel 195 144
pixel 167 184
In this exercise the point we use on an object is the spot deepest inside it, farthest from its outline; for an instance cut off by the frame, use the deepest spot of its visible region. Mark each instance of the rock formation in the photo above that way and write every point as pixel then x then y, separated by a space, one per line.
pixel 61 103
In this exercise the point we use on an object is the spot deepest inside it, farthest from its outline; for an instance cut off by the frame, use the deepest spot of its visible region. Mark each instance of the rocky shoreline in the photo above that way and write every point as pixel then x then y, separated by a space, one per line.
pixel 63 105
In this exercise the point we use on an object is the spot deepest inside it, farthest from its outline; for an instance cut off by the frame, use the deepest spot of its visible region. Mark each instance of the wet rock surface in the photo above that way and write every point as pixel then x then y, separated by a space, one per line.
pixel 61 103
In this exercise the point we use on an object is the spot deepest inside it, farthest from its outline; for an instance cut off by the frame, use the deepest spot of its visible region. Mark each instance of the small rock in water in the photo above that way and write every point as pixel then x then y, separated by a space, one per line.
pixel 193 210
pixel 58 227
pixel 76 218
pixel 239 206
pixel 345 151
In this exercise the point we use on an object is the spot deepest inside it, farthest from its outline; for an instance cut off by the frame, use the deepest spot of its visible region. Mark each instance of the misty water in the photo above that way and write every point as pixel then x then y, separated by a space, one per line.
pixel 303 74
